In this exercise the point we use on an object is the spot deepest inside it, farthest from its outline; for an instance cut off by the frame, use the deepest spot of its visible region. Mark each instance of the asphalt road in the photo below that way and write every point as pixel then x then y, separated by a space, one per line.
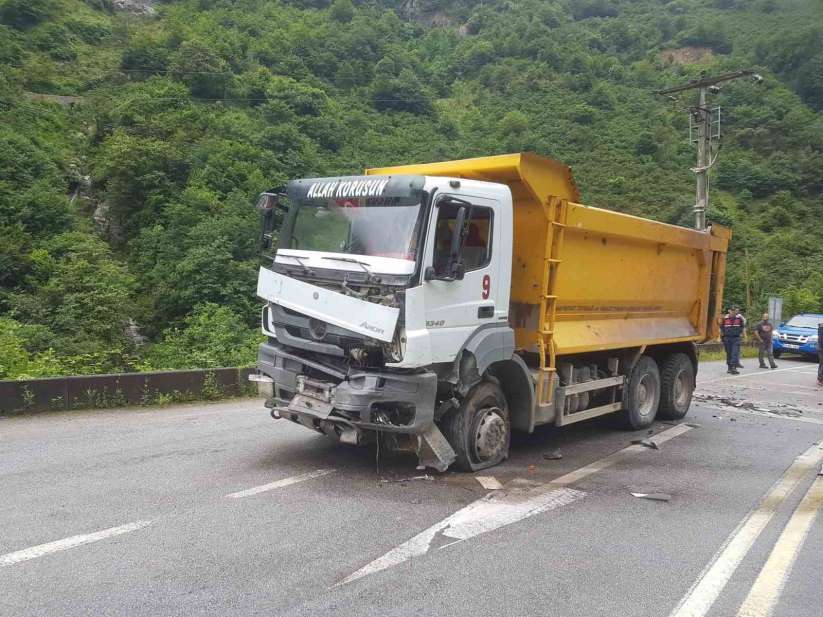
pixel 219 510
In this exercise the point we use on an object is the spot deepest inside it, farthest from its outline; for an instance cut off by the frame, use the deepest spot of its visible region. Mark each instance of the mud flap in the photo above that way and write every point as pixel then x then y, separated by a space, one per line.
pixel 433 450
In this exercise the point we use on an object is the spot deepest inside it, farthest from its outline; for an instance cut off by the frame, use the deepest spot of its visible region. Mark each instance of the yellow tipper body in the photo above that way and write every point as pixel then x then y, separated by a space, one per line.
pixel 586 279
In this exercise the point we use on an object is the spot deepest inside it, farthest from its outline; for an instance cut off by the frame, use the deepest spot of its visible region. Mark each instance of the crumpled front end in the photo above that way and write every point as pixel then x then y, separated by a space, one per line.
pixel 320 396
pixel 354 408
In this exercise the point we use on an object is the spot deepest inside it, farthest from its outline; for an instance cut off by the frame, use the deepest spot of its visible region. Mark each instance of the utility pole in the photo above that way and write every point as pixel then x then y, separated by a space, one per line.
pixel 707 122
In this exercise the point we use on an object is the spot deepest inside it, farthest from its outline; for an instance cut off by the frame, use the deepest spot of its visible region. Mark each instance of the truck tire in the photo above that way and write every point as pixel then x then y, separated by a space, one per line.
pixel 479 431
pixel 676 386
pixel 641 395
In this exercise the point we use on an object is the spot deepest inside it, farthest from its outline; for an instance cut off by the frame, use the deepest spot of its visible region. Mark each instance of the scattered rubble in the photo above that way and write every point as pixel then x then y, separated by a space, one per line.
pixel 646 443
pixel 727 401
pixel 400 480
pixel 490 483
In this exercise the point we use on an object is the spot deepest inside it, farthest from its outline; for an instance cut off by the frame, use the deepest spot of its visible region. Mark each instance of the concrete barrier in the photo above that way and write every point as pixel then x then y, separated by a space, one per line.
pixel 124 389
pixel 120 390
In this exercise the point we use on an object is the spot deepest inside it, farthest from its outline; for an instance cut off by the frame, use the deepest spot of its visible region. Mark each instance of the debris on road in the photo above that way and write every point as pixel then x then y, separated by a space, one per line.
pixel 727 401
pixel 398 480
pixel 553 455
pixel 693 425
pixel 653 496
pixel 646 443
pixel 490 483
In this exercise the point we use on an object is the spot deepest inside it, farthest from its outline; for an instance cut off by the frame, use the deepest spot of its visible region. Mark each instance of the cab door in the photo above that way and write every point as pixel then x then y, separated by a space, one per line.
pixel 454 309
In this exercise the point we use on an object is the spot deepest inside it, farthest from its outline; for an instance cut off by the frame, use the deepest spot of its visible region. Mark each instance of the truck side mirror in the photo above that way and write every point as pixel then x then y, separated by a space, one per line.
pixel 268 203
pixel 457 234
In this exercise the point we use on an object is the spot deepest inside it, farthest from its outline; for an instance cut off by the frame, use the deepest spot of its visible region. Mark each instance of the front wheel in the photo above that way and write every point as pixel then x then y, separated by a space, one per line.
pixel 641 395
pixel 676 386
pixel 777 353
pixel 479 431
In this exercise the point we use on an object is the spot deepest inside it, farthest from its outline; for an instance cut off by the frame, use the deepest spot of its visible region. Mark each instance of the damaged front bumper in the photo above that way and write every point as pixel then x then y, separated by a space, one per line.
pixel 348 406
pixel 311 393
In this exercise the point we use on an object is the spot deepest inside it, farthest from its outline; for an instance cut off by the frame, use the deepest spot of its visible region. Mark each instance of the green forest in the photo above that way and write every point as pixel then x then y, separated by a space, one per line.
pixel 136 135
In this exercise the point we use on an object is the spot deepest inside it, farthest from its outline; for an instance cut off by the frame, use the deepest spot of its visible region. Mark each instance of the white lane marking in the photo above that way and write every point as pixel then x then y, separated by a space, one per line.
pixel 499 509
pixel 603 463
pixel 766 590
pixel 762 373
pixel 714 577
pixel 793 386
pixel 484 515
pixel 66 543
pixel 280 483
pixel 490 483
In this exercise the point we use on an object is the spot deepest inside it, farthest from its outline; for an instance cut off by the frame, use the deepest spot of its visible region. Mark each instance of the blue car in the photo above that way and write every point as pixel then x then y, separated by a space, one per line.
pixel 798 335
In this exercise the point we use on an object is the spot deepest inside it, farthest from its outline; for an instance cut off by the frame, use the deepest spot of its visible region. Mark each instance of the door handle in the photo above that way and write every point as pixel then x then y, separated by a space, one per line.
pixel 484 312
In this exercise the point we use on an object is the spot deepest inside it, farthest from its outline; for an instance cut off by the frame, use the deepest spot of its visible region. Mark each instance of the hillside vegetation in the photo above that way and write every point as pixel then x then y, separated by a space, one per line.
pixel 127 232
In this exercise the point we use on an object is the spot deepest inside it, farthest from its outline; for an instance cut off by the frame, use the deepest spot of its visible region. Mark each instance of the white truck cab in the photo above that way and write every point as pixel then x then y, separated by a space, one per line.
pixel 377 285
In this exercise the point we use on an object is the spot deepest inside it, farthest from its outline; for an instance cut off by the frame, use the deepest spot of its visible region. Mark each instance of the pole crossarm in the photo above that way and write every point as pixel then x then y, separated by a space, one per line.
pixel 705 82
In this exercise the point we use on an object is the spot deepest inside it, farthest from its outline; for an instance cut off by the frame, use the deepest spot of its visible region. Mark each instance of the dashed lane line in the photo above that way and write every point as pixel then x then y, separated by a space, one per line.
pixel 716 575
pixel 256 490
pixel 67 543
pixel 500 508
pixel 766 590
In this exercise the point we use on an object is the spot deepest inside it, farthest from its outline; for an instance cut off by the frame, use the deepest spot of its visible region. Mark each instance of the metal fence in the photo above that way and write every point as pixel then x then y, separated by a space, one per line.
pixel 120 390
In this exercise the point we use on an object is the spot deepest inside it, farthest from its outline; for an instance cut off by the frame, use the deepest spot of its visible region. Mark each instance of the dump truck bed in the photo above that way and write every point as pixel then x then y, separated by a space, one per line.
pixel 586 279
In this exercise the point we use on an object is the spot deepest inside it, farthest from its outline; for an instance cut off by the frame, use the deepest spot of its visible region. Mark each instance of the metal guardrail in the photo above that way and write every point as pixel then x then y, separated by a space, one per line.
pixel 123 389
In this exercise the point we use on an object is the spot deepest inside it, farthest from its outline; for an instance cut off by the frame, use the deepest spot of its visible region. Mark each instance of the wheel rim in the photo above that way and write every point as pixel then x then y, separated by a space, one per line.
pixel 489 435
pixel 682 389
pixel 644 395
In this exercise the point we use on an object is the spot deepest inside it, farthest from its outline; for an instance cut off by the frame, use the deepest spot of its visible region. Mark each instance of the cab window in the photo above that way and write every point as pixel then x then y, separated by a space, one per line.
pixel 476 245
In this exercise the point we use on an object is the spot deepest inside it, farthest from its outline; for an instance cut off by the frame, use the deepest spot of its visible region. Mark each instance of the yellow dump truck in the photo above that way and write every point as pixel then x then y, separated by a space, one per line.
pixel 439 306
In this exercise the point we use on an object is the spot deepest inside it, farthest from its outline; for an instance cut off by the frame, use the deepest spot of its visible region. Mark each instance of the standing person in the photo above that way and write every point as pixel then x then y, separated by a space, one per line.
pixel 763 334
pixel 820 354
pixel 731 331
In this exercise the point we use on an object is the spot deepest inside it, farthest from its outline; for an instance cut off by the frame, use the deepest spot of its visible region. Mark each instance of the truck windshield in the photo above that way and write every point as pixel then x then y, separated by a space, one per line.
pixel 377 227
pixel 805 321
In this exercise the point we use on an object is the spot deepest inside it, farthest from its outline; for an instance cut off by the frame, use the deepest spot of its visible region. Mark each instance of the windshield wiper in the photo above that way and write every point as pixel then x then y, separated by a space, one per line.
pixel 306 269
pixel 369 276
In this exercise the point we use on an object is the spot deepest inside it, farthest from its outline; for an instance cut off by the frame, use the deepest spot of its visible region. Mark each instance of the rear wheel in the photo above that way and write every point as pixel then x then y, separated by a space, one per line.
pixel 479 431
pixel 676 387
pixel 641 395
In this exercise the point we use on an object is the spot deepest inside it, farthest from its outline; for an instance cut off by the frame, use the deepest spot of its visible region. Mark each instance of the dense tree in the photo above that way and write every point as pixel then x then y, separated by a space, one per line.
pixel 127 236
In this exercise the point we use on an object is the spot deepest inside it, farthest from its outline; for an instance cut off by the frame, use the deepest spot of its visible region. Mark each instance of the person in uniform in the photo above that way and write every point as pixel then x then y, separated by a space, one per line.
pixel 731 332
pixel 820 354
